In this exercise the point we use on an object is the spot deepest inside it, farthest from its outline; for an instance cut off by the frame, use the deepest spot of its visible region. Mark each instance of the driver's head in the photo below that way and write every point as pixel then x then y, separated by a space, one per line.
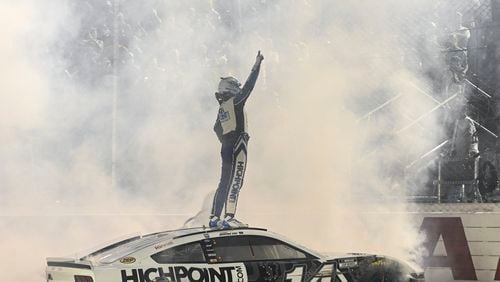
pixel 228 88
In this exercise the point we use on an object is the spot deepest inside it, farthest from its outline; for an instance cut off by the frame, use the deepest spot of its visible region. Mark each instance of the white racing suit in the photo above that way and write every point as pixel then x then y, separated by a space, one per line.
pixel 230 128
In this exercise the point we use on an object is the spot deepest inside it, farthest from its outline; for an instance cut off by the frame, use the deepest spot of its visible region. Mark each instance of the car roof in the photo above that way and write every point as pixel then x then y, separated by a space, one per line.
pixel 131 245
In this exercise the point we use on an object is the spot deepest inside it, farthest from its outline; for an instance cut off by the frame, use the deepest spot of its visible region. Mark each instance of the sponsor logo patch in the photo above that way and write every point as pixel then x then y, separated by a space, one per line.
pixel 224 116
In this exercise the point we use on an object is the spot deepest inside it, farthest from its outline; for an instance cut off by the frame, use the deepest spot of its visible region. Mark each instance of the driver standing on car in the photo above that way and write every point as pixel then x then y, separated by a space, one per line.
pixel 230 128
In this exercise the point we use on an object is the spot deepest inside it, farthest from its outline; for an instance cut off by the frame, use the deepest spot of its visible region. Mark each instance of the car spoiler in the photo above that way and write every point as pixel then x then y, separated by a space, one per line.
pixel 69 262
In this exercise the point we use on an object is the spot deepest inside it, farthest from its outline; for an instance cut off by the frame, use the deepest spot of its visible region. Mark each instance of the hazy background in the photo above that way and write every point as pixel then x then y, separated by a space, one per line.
pixel 316 173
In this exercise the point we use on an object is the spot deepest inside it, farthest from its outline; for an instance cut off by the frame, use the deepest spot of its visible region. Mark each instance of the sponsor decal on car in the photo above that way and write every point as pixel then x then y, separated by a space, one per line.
pixel 178 273
pixel 162 245
pixel 379 262
pixel 127 260
pixel 226 233
pixel 348 263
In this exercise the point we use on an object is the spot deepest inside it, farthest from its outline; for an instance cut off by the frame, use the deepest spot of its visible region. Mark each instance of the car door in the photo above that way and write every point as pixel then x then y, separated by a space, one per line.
pixel 189 262
pixel 179 263
pixel 265 258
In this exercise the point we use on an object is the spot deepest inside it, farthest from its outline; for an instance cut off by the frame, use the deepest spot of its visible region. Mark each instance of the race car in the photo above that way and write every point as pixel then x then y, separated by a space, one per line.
pixel 234 255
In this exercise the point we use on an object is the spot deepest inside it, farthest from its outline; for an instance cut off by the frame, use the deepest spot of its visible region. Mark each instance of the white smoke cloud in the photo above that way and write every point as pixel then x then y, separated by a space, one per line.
pixel 308 175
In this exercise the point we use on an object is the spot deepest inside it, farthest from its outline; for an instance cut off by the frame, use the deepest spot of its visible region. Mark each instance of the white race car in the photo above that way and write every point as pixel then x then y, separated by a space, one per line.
pixel 234 255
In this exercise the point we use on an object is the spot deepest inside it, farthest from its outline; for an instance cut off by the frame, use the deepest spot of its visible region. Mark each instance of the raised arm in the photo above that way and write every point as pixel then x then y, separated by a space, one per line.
pixel 250 83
